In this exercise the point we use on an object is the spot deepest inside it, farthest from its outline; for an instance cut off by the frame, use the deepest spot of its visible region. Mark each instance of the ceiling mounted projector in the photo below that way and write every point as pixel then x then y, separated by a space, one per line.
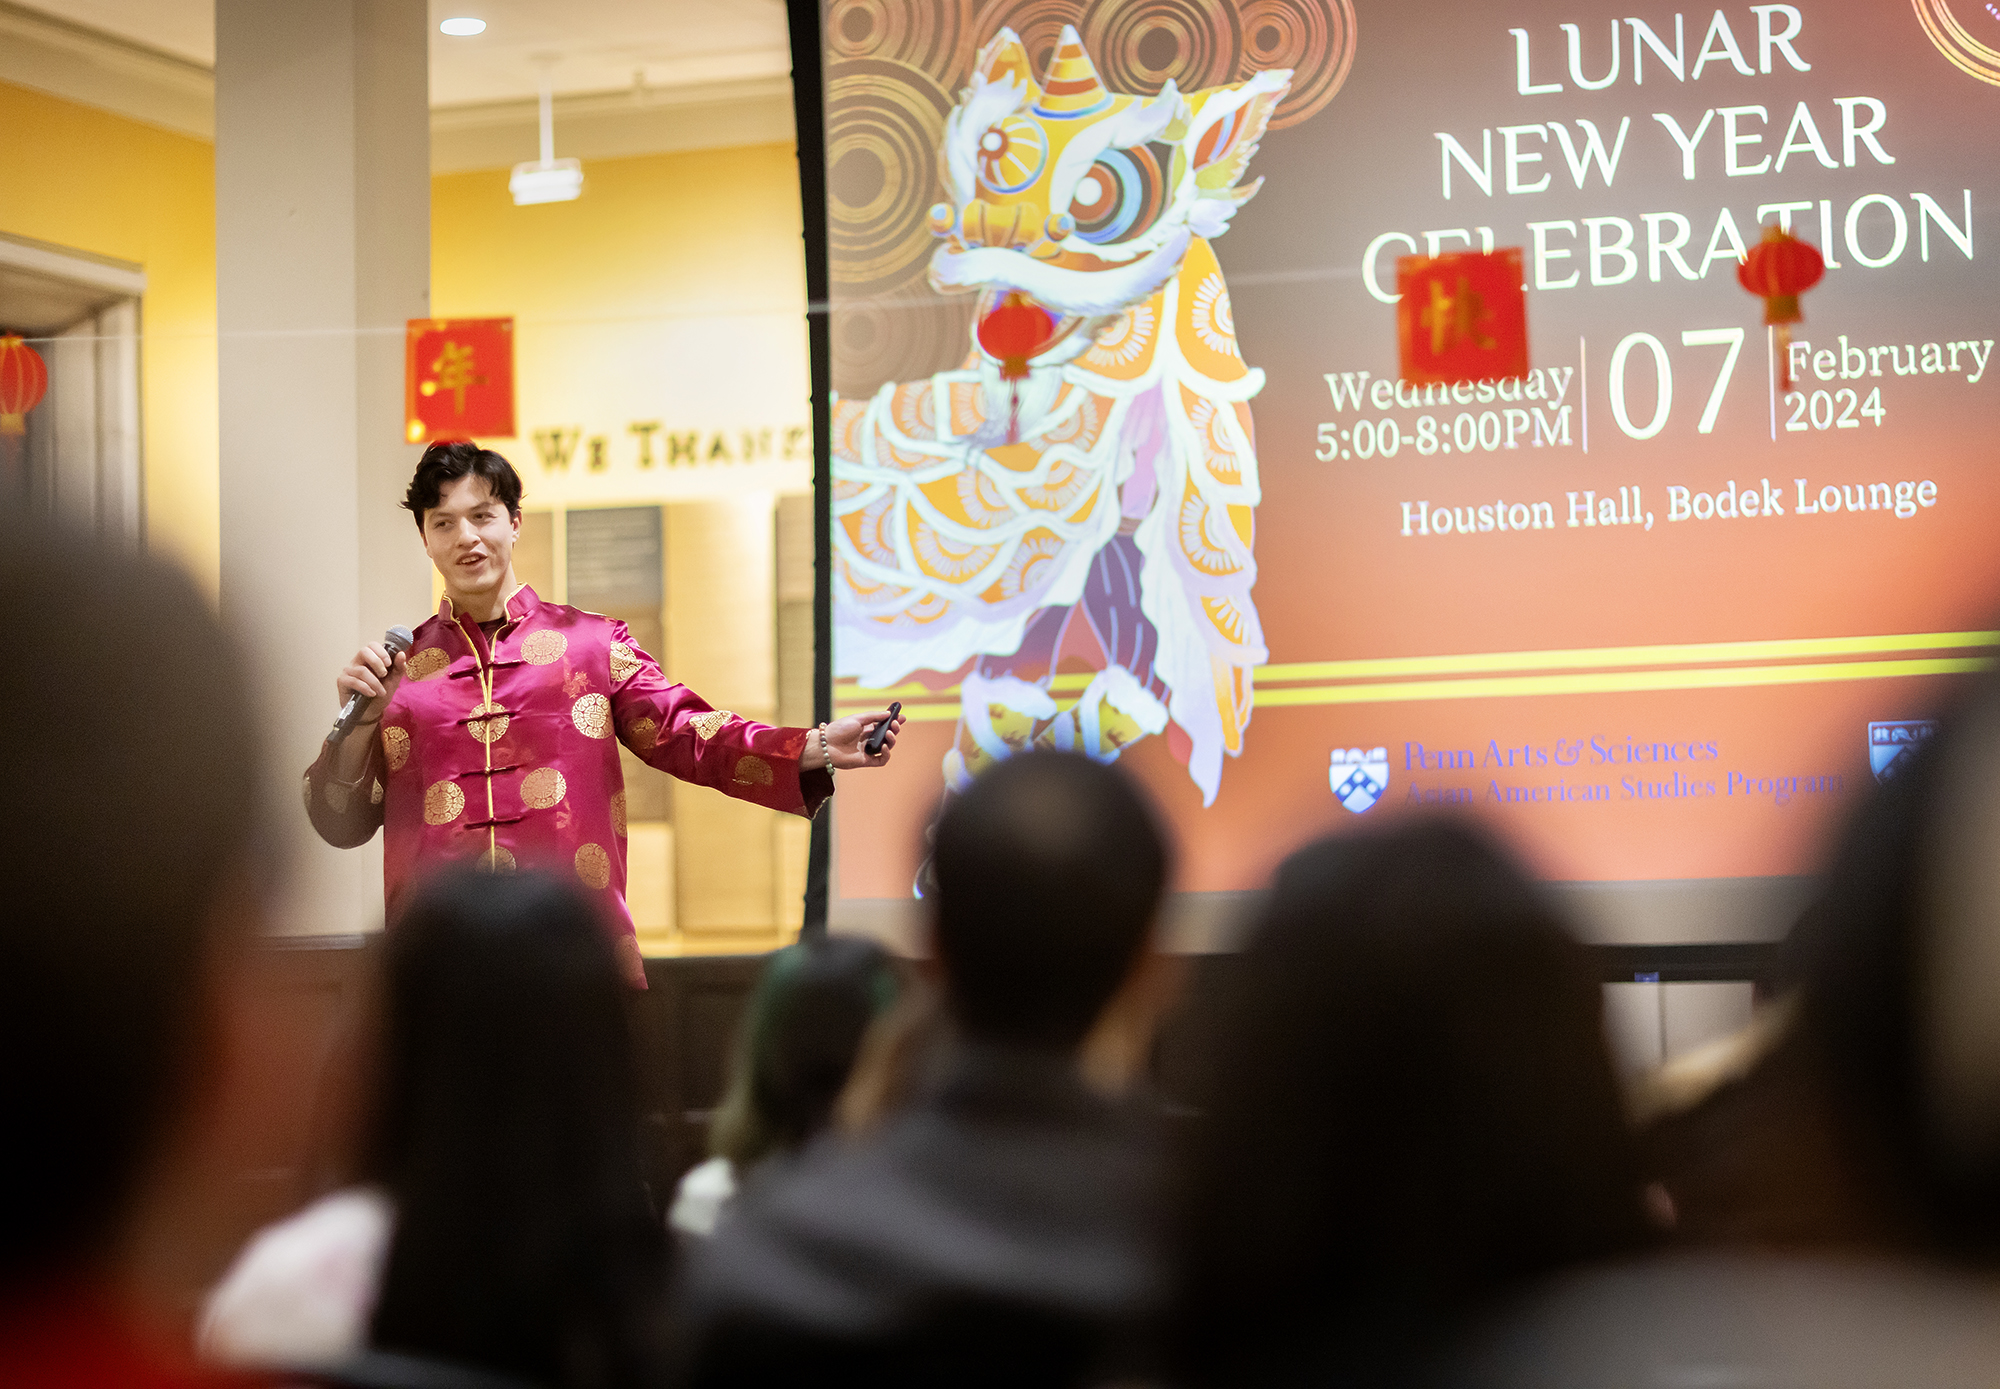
pixel 548 179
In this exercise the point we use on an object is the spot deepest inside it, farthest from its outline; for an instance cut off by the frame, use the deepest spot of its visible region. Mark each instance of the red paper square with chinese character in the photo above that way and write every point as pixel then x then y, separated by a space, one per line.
pixel 458 379
pixel 1462 317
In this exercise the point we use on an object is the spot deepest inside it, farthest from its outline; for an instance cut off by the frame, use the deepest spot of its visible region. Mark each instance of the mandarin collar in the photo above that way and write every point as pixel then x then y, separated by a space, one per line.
pixel 520 605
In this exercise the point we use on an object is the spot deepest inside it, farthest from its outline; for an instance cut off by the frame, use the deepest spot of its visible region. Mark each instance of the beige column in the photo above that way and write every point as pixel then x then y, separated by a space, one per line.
pixel 721 643
pixel 322 192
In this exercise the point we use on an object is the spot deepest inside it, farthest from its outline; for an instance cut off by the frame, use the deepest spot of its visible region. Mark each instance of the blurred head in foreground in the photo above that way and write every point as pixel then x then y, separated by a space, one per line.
pixel 129 756
pixel 800 1033
pixel 1898 971
pixel 508 1138
pixel 1049 872
pixel 1412 1111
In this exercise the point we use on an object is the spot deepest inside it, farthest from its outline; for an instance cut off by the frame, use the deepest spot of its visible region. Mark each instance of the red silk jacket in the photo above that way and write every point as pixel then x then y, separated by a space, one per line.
pixel 505 756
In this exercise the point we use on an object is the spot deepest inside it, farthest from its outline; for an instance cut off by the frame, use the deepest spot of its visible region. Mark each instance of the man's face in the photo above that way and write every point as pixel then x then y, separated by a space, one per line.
pixel 469 536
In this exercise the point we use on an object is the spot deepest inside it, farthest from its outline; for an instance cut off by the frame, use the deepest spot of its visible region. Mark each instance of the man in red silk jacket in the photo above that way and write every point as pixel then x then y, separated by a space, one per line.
pixel 494 739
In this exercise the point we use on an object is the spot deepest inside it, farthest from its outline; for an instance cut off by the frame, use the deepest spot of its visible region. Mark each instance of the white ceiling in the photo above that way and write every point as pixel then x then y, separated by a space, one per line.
pixel 599 45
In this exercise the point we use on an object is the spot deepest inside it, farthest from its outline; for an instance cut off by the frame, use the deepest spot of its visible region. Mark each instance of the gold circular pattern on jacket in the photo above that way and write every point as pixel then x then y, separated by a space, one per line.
pixel 593 866
pixel 543 787
pixel 498 859
pixel 428 662
pixel 710 724
pixel 623 661
pixel 442 802
pixel 543 648
pixel 489 721
pixel 395 746
pixel 592 716
pixel 752 771
pixel 618 814
pixel 644 733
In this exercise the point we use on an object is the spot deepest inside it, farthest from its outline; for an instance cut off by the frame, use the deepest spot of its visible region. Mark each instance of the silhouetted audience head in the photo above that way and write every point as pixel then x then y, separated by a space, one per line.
pixel 1897 966
pixel 1049 872
pixel 1412 1110
pixel 800 1033
pixel 508 1138
pixel 130 757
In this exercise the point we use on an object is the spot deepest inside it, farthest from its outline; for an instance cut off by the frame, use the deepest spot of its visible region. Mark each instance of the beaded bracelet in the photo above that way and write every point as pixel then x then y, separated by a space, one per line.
pixel 825 750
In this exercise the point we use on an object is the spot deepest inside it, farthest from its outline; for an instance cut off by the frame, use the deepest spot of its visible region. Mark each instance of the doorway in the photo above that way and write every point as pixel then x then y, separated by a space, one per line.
pixel 80 461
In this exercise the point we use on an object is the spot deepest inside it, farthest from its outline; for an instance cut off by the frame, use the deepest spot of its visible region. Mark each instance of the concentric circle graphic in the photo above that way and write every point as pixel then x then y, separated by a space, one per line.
pixel 1969 55
pixel 1038 24
pixel 1314 38
pixel 884 125
pixel 1139 45
pixel 877 340
pixel 934 36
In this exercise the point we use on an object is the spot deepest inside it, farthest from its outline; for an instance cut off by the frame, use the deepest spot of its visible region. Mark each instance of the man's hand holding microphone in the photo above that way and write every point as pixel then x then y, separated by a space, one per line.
pixel 366 686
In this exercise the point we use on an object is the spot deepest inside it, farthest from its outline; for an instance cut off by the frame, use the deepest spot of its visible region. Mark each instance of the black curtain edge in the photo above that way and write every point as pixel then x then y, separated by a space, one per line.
pixel 809 124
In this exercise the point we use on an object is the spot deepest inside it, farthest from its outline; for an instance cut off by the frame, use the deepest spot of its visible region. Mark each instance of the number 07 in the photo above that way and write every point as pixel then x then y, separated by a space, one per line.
pixel 1715 337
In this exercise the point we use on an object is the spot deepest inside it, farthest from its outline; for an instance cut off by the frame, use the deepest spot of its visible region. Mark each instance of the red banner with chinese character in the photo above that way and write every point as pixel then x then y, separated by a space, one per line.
pixel 1462 317
pixel 458 379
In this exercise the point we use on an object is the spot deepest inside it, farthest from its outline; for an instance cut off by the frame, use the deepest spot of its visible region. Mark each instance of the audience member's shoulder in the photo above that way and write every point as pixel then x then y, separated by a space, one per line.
pixel 301 1292
pixel 794 1245
pixel 858 1234
pixel 1728 1319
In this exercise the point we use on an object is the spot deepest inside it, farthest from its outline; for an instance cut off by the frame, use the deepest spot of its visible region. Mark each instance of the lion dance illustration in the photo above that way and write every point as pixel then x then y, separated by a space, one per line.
pixel 1110 529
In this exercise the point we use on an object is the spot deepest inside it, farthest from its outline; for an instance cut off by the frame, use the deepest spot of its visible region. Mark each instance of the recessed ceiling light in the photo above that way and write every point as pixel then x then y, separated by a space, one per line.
pixel 462 28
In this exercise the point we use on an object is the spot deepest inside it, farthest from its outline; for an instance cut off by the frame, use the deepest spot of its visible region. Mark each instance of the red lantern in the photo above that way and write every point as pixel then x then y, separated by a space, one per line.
pixel 23 379
pixel 1014 331
pixel 1778 270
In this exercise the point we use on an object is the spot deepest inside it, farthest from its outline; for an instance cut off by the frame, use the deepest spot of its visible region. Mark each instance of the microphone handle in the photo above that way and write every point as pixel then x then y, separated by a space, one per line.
pixel 350 714
pixel 396 641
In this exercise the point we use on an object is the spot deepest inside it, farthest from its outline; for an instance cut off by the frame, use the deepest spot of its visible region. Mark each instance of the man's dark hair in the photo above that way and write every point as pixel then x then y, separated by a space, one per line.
pixel 1048 873
pixel 444 463
pixel 129 757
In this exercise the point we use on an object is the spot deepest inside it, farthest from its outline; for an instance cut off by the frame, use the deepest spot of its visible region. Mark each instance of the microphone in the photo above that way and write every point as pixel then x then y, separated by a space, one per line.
pixel 397 640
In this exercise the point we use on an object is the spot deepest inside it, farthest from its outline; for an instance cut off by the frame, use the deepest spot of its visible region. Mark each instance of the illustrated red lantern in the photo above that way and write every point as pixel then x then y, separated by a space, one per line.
pixel 1012 332
pixel 1778 270
pixel 23 380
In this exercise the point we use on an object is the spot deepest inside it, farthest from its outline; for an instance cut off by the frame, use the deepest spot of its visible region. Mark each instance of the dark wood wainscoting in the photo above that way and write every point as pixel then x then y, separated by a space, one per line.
pixel 685 1027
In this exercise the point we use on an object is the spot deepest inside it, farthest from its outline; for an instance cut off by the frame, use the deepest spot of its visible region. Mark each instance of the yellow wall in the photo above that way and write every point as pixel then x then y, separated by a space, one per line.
pixel 87 180
pixel 671 292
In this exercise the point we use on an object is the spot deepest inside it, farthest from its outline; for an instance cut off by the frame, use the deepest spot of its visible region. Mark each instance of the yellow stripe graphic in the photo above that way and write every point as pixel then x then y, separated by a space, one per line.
pixel 1689 654
pixel 1620 681
pixel 1703 665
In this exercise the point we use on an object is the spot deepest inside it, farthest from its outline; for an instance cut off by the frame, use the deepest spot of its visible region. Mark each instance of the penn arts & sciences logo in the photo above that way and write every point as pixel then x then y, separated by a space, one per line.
pixel 1893 742
pixel 1358 778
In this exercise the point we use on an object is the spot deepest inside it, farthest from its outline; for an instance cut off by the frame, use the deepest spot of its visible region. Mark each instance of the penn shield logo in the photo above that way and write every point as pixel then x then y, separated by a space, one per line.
pixel 1358 778
pixel 1893 742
